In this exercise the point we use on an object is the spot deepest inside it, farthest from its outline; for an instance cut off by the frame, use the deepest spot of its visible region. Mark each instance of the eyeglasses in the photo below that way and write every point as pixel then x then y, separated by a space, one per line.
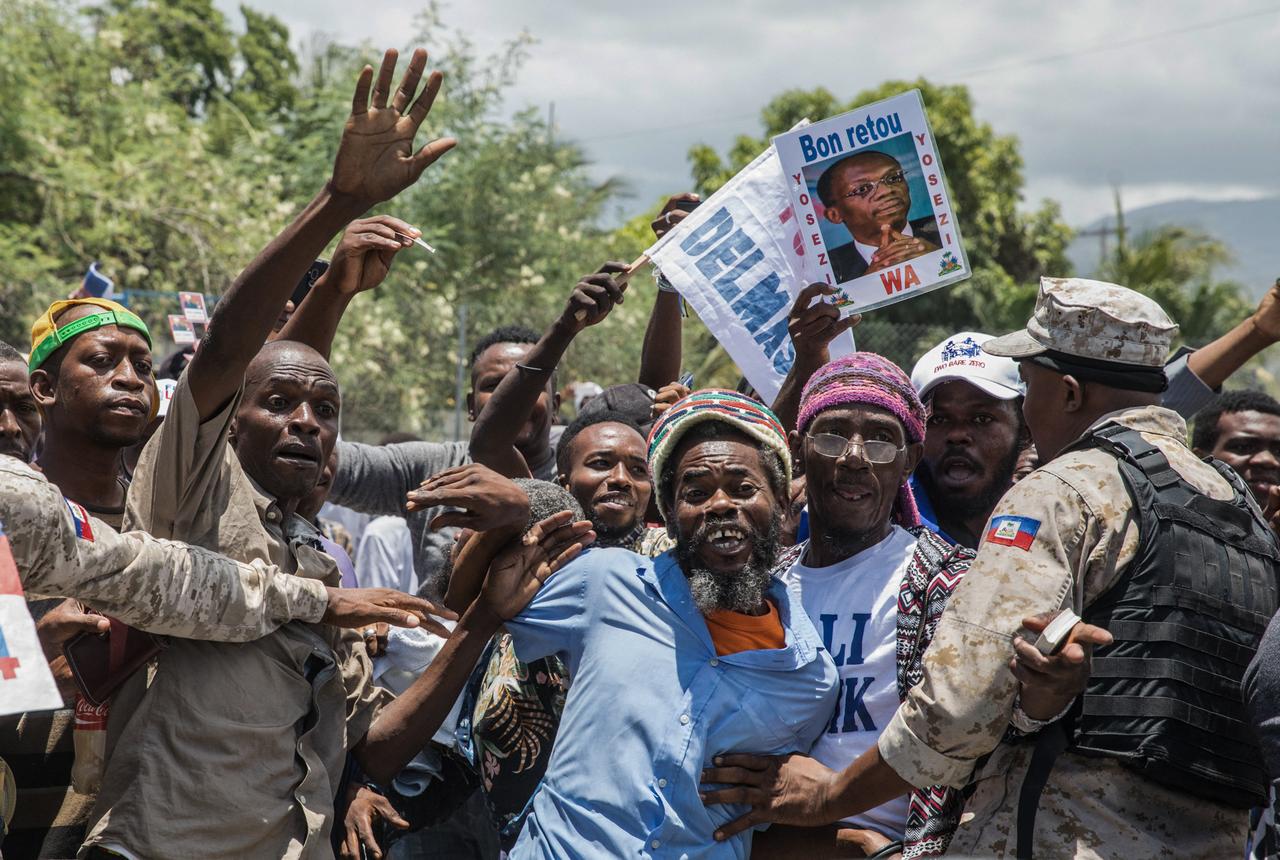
pixel 873 451
pixel 867 188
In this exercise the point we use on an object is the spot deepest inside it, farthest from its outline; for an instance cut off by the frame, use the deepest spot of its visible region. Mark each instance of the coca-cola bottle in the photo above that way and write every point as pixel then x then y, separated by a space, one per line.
pixel 90 738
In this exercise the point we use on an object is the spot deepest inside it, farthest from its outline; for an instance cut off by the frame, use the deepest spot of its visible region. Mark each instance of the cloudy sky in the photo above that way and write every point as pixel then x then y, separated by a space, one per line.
pixel 1169 98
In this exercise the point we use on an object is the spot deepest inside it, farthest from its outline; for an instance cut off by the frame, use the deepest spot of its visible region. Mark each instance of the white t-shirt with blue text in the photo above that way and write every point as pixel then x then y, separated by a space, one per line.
pixel 854 607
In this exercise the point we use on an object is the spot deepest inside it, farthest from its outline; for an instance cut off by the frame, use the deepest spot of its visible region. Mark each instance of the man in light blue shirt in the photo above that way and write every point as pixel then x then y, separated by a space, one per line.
pixel 677 659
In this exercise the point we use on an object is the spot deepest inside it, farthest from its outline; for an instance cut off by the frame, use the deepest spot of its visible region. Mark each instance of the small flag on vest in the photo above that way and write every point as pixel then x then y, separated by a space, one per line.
pixel 1013 531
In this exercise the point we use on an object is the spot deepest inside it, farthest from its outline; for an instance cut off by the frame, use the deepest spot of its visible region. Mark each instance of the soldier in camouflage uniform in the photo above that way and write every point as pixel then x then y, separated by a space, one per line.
pixel 1067 536
pixel 167 587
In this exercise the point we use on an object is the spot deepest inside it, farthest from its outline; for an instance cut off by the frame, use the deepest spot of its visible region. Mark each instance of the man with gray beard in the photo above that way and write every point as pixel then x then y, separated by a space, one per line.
pixel 678 658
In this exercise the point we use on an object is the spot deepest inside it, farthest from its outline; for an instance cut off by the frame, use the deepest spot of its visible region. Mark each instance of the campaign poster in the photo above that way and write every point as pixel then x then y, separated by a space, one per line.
pixel 193 307
pixel 181 329
pixel 868 187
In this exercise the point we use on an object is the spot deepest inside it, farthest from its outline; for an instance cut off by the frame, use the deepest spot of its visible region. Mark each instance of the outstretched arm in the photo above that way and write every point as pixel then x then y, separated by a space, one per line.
pixel 1215 362
pixel 375 162
pixel 168 587
pixel 493 439
pixel 812 326
pixel 515 576
pixel 661 354
pixel 360 262
pixel 797 790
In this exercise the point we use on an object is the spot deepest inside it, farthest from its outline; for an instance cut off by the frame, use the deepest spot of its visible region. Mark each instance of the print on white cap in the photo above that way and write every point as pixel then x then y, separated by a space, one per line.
pixel 960 357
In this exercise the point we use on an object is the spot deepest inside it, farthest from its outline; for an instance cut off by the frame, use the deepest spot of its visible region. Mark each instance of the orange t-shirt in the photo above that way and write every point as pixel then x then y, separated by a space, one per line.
pixel 733 631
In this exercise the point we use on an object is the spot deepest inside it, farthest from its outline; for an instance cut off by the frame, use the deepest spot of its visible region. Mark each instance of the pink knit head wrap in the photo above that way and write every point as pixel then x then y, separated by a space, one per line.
pixel 865 377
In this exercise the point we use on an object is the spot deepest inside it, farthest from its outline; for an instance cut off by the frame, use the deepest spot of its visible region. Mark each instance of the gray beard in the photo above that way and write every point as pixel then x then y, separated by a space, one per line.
pixel 742 591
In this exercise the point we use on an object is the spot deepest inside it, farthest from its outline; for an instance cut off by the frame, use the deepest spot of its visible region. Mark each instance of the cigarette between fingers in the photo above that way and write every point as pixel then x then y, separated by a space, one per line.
pixel 416 240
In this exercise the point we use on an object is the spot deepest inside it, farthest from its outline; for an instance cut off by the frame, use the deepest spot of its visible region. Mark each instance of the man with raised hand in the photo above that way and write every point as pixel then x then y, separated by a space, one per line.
pixel 249 429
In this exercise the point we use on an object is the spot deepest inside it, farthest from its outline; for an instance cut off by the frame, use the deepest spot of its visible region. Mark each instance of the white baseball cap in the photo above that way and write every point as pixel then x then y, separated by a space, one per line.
pixel 960 357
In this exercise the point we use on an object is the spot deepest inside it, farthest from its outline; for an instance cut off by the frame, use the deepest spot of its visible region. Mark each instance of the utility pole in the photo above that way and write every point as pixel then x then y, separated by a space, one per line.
pixel 1106 230
pixel 459 392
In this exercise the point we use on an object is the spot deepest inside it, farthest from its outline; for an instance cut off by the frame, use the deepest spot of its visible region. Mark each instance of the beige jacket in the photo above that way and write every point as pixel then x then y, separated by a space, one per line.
pixel 230 750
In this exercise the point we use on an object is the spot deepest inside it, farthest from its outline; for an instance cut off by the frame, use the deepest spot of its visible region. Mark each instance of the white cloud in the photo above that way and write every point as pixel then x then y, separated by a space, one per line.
pixel 1189 113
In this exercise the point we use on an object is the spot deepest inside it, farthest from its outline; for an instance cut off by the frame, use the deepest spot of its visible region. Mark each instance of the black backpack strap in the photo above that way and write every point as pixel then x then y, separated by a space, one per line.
pixel 1128 444
pixel 1050 743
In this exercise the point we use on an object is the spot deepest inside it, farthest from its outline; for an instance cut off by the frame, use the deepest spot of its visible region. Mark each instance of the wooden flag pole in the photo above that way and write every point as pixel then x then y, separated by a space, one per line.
pixel 622 278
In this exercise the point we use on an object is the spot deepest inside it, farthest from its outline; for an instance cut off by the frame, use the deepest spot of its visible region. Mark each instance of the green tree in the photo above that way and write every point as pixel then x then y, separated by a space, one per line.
pixel 265 86
pixel 173 187
pixel 184 45
pixel 106 164
pixel 1174 265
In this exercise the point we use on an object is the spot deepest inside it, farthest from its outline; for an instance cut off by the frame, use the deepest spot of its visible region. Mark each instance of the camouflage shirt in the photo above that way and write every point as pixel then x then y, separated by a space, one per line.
pixel 155 585
pixel 1075 534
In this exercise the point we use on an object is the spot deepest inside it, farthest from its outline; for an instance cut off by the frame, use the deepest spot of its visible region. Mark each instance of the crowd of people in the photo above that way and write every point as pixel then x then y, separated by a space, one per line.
pixel 1000 605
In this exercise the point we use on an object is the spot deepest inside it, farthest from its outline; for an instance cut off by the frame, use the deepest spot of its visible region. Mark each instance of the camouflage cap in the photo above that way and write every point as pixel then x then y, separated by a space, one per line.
pixel 1092 320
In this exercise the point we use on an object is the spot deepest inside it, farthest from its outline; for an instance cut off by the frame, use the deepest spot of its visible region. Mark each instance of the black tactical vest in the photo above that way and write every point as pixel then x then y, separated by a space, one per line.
pixel 1187 615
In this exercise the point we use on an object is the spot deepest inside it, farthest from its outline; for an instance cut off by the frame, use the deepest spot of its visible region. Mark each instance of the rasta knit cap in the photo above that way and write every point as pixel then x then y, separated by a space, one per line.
pixel 738 411
pixel 873 380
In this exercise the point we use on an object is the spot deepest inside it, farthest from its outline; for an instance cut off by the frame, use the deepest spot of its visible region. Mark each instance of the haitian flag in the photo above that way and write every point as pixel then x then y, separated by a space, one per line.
pixel 95 285
pixel 25 681
pixel 1013 531
pixel 80 519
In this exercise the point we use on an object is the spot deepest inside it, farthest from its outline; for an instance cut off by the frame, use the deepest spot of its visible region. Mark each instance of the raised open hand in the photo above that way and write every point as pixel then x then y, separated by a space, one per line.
pixel 376 160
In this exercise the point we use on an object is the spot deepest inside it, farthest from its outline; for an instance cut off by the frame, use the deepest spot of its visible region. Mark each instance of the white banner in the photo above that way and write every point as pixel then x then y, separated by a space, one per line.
pixel 738 260
pixel 25 681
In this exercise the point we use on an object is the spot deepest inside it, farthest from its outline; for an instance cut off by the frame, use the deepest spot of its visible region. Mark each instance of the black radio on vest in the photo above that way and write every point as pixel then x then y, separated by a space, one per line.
pixel 1187 615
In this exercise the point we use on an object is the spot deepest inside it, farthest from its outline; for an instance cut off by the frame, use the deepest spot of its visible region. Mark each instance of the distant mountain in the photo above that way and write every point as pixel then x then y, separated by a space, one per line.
pixel 1249 228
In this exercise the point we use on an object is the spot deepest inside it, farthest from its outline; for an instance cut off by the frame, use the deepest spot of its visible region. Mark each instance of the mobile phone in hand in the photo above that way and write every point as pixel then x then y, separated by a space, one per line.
pixel 688 205
pixel 1055 635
